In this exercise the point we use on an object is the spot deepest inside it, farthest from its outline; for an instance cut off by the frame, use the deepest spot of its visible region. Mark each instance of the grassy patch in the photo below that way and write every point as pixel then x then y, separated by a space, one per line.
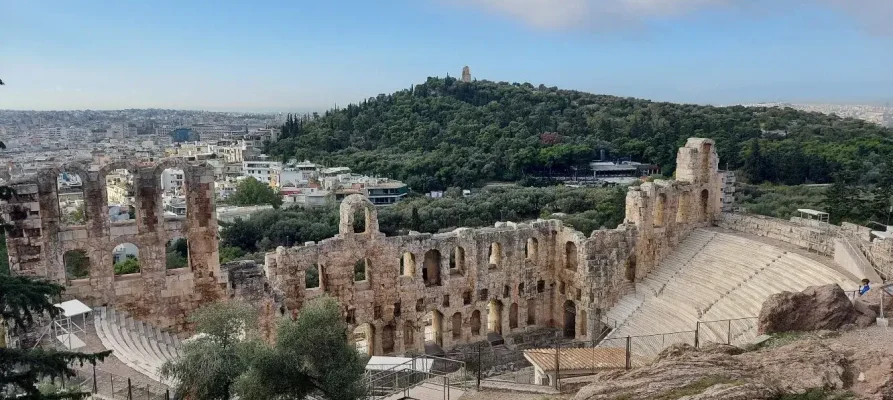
pixel 697 387
pixel 817 394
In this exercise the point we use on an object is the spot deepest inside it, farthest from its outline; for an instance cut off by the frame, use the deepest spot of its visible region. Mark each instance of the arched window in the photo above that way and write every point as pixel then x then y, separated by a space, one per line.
pixel 570 256
pixel 475 323
pixel 407 264
pixel 119 194
pixel 531 251
pixel 363 336
pixel 72 201
pixel 457 326
pixel 513 316
pixel 173 193
pixel 495 255
pixel 387 339
pixel 494 317
pixel 457 259
pixel 125 259
pixel 359 220
pixel 431 271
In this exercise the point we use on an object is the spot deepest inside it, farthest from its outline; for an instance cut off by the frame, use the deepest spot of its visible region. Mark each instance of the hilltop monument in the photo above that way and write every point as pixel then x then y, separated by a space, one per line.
pixel 466 74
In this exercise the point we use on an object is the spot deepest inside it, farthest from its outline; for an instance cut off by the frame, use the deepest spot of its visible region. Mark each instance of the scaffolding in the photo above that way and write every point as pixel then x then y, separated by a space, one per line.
pixel 65 328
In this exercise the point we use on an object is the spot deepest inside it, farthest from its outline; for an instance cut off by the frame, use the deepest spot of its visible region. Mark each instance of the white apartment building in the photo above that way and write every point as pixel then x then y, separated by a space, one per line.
pixel 172 180
pixel 264 171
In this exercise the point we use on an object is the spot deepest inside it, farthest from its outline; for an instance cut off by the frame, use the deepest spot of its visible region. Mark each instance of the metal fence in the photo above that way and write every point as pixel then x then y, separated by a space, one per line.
pixel 501 365
pixel 425 373
pixel 111 386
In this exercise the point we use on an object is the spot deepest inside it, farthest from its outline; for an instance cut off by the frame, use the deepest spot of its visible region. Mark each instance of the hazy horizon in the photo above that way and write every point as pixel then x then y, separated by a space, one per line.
pixel 275 55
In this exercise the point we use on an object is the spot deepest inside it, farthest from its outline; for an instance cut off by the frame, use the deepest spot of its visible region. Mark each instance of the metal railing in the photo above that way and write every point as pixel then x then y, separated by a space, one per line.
pixel 435 373
pixel 112 386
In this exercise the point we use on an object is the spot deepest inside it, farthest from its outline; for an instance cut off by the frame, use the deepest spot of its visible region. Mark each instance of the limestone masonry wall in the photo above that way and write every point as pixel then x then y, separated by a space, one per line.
pixel 808 234
pixel 39 237
pixel 398 294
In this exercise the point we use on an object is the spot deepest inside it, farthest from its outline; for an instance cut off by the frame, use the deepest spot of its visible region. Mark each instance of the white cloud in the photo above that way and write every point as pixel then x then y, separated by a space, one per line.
pixel 563 14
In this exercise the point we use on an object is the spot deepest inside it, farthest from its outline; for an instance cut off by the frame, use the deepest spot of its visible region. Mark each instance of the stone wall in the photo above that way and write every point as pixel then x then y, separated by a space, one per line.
pixel 454 287
pixel 808 234
pixel 39 238
pixel 665 212
pixel 878 252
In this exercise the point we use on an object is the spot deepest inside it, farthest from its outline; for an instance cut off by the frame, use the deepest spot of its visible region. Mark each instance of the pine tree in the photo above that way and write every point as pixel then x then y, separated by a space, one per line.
pixel 22 369
pixel 839 199
pixel 754 164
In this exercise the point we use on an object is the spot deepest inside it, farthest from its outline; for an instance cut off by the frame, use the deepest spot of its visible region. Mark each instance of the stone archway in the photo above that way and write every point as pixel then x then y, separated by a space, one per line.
pixel 570 319
pixel 348 211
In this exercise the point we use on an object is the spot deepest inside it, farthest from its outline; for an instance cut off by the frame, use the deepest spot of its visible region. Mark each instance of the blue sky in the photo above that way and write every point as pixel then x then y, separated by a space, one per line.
pixel 300 55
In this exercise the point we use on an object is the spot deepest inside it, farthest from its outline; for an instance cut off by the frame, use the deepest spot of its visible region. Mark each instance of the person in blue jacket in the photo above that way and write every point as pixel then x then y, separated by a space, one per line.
pixel 864 288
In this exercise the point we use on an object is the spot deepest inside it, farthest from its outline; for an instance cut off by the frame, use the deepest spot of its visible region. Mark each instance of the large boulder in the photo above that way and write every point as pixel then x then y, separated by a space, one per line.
pixel 815 308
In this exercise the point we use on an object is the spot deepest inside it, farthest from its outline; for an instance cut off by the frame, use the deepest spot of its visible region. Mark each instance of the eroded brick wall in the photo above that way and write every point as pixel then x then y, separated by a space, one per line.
pixel 39 238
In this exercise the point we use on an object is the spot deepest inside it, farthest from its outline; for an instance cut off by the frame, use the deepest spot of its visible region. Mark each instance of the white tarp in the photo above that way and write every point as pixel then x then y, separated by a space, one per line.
pixel 381 363
pixel 72 308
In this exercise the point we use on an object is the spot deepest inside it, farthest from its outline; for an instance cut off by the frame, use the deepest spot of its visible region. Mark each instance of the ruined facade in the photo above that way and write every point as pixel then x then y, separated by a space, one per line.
pixel 40 237
pixel 398 294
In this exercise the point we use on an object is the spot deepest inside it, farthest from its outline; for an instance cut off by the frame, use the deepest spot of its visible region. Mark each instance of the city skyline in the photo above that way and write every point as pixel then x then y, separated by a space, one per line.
pixel 275 56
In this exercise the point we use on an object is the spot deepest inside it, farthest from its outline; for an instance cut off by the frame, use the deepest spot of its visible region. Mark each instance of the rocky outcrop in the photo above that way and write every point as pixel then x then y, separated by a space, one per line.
pixel 722 372
pixel 815 308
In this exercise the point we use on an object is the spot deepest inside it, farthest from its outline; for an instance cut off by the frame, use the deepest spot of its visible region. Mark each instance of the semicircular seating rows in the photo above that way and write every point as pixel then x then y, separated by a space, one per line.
pixel 712 276
pixel 137 344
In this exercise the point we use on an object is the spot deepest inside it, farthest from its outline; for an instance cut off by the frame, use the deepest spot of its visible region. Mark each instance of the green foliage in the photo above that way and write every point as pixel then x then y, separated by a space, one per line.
pixel 228 359
pixel 585 209
pixel 445 132
pixel 130 265
pixel 779 201
pixel 211 362
pixel 230 253
pixel 177 253
pixel 77 265
pixel 78 216
pixel 251 192
pixel 311 279
pixel 23 370
pixel 311 356
pixel 359 270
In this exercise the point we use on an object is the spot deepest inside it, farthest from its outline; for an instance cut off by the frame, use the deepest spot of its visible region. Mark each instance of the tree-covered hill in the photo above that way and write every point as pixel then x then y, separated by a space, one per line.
pixel 445 133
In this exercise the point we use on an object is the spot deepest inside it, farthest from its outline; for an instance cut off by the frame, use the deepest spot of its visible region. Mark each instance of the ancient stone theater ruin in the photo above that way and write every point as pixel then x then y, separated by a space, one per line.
pixel 675 262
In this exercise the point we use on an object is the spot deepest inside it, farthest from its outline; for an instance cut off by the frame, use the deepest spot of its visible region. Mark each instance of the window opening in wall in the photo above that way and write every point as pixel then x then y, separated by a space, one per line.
pixel 431 270
pixel 311 277
pixel 561 287
pixel 362 337
pixel 176 254
pixel 495 255
pixel 494 317
pixel 531 311
pixel 420 305
pixel 446 300
pixel 659 208
pixel 125 259
pixel 583 322
pixel 173 193
pixel 457 326
pixel 540 286
pixel 570 256
pixel 579 294
pixel 434 328
pixel 466 297
pixel 506 291
pixel 77 264
pixel 531 251
pixel 396 309
pixel 407 264
pixel 570 319
pixel 72 204
pixel 521 289
pixel 457 259
pixel 682 208
pixel 705 204
pixel 408 335
pixel 359 220
pixel 360 268
pixel 475 323
pixel 119 195
pixel 484 294
pixel 387 339
pixel 513 316
pixel 376 312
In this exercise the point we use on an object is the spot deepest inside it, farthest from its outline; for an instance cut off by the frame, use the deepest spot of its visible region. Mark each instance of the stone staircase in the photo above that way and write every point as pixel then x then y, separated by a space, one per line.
pixel 712 276
pixel 139 345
